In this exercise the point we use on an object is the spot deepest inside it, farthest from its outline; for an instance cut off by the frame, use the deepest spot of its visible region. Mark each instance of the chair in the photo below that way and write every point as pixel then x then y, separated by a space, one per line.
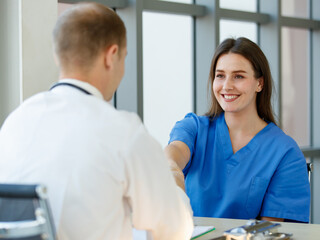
pixel 310 170
pixel 25 213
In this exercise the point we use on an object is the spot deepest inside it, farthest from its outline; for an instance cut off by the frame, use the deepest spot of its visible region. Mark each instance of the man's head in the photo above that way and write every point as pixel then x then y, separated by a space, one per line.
pixel 86 38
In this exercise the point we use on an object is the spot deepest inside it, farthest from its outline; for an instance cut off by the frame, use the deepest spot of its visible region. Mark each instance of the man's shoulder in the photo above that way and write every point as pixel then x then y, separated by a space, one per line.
pixel 23 108
pixel 125 123
pixel 127 119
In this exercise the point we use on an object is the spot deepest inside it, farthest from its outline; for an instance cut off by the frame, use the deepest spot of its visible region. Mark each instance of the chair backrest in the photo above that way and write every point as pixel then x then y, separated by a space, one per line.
pixel 25 213
pixel 310 170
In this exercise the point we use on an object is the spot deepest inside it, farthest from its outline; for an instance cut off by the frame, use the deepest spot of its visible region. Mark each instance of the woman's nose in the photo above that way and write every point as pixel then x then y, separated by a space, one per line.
pixel 228 84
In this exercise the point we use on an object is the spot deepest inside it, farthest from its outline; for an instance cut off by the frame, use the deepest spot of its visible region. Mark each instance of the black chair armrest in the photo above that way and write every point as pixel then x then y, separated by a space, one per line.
pixel 21 191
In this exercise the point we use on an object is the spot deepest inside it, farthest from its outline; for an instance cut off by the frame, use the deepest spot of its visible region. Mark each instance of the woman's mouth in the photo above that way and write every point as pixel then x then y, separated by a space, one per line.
pixel 230 97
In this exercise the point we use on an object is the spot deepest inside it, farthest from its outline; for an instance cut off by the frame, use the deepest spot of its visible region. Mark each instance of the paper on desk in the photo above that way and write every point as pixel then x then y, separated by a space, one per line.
pixel 139 234
pixel 201 230
pixel 197 232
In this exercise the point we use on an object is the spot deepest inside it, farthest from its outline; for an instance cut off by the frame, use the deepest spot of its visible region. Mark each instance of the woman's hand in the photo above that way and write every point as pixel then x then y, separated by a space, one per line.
pixel 177 173
pixel 178 155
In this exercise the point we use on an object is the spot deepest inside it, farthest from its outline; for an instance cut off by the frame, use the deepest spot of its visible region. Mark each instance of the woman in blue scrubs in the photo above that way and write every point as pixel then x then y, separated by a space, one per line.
pixel 235 160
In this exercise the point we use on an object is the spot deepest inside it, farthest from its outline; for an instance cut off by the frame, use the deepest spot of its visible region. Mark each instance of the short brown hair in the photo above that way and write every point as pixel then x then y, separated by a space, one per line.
pixel 256 57
pixel 85 29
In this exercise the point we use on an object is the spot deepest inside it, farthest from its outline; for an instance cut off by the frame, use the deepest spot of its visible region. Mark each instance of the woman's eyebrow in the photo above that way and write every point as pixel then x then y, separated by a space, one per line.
pixel 236 71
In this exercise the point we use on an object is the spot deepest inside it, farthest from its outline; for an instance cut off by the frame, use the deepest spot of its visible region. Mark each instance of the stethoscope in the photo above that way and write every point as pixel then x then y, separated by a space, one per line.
pixel 70 85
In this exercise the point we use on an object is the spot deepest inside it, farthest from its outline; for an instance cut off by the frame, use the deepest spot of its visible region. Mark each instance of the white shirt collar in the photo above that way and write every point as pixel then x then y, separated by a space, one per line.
pixel 86 86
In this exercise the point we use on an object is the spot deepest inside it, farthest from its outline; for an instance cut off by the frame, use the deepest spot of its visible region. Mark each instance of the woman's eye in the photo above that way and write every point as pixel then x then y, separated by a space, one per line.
pixel 219 76
pixel 239 77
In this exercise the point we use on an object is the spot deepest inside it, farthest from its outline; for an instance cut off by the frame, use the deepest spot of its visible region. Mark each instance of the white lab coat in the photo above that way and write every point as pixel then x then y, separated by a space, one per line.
pixel 103 171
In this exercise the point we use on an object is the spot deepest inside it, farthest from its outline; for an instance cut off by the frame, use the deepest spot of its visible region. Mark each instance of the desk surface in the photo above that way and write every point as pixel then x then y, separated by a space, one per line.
pixel 300 231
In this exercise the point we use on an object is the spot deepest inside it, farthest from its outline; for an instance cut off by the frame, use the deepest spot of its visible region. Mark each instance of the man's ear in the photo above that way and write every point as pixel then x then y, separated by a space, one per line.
pixel 260 84
pixel 110 55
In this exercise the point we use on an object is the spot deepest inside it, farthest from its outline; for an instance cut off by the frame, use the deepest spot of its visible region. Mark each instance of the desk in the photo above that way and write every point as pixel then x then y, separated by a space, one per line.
pixel 300 231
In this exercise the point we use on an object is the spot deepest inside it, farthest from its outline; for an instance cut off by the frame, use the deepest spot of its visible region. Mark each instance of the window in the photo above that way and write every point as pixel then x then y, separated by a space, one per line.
pixel 243 5
pixel 178 1
pixel 295 8
pixel 235 29
pixel 167 72
pixel 295 84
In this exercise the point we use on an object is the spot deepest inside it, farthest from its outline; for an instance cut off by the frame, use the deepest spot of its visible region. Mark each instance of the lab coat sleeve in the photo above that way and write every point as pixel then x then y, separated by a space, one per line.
pixel 157 203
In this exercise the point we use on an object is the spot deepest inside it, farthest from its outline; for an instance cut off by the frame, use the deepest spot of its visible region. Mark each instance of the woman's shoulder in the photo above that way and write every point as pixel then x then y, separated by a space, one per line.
pixel 196 120
pixel 200 118
pixel 279 137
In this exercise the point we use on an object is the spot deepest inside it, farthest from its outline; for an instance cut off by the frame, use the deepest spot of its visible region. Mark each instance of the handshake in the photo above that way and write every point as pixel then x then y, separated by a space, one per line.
pixel 177 174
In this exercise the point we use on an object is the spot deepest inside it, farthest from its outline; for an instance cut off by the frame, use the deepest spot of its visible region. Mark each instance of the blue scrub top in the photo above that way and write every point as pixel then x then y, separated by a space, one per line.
pixel 267 177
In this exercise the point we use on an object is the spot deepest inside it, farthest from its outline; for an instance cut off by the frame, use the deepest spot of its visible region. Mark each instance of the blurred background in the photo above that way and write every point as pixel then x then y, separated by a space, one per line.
pixel 170 47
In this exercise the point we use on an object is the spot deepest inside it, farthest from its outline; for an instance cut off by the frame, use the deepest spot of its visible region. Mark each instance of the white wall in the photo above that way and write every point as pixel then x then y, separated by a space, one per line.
pixel 39 71
pixel 9 57
pixel 26 59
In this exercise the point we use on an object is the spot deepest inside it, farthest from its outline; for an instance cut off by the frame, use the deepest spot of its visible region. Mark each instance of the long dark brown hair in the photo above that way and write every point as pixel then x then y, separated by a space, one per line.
pixel 256 57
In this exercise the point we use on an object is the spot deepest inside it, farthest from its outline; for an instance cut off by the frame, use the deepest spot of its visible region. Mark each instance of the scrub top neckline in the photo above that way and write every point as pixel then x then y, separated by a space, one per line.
pixel 226 140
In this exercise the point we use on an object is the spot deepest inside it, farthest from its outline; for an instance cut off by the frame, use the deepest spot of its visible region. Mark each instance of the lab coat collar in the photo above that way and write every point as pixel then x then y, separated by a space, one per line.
pixel 84 85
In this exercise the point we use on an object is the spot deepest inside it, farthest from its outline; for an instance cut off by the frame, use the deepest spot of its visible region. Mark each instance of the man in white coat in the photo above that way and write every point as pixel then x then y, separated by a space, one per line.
pixel 103 171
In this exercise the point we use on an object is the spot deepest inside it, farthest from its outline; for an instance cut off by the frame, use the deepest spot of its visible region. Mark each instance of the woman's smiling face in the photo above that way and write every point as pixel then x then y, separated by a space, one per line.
pixel 235 86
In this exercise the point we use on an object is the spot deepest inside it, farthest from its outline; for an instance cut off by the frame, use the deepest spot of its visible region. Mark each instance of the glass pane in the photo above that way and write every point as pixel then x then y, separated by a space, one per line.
pixel 295 8
pixel 243 5
pixel 167 72
pixel 295 84
pixel 178 1
pixel 235 29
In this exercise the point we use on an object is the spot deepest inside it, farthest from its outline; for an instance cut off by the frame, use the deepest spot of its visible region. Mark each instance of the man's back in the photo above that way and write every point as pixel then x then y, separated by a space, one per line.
pixel 96 163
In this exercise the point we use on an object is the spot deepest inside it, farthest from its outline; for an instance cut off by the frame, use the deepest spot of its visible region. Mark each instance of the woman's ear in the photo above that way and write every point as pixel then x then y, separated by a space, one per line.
pixel 110 55
pixel 260 84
